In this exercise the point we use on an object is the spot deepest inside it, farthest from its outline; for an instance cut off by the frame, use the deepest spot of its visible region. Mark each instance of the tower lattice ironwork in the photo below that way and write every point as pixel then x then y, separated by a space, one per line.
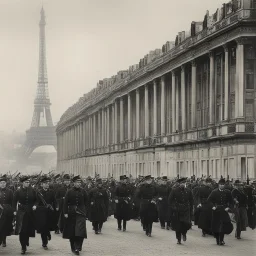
pixel 41 134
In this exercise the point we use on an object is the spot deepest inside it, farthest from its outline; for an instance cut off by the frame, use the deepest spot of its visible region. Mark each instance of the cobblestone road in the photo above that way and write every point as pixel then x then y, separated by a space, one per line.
pixel 133 242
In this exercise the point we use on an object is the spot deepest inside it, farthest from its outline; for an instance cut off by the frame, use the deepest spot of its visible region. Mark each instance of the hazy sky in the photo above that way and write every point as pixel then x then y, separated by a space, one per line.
pixel 86 40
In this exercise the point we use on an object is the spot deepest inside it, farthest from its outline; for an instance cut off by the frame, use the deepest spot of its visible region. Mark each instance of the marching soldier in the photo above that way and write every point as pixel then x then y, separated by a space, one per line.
pixel 45 211
pixel 123 203
pixel 6 211
pixel 222 201
pixel 163 192
pixel 25 222
pixel 98 206
pixel 240 207
pixel 74 210
pixel 60 195
pixel 251 200
pixel 204 207
pixel 181 202
pixel 148 211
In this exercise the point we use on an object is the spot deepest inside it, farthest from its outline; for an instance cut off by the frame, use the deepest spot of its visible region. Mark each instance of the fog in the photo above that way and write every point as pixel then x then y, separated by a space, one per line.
pixel 86 41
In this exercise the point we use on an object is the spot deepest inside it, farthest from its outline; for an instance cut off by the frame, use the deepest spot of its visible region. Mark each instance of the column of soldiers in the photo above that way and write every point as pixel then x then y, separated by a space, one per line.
pixel 62 204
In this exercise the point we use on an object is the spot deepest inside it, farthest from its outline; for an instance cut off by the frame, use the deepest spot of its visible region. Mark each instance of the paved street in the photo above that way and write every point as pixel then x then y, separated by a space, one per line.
pixel 133 242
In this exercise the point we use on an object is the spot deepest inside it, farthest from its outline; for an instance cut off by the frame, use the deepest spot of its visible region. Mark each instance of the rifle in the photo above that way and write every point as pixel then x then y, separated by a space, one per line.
pixel 79 211
pixel 43 201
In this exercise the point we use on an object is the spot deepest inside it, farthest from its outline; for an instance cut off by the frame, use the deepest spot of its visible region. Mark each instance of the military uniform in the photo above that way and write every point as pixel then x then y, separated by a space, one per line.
pixel 163 192
pixel 148 211
pixel 221 223
pixel 75 203
pixel 6 214
pixel 25 218
pixel 45 214
pixel 204 209
pixel 240 209
pixel 60 196
pixel 123 210
pixel 181 202
pixel 98 207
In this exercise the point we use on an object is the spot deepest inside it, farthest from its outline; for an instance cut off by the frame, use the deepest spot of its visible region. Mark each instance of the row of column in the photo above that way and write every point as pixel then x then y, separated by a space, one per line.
pixel 106 126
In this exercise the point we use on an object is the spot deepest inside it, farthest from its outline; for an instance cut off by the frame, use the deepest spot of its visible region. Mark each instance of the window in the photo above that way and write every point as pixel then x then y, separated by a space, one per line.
pixel 249 69
pixel 249 110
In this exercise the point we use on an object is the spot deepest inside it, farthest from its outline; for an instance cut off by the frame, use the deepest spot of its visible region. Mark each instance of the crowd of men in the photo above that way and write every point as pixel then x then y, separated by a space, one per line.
pixel 63 203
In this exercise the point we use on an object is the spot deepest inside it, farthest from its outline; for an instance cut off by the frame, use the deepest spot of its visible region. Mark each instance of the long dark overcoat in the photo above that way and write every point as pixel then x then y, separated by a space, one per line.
pixel 163 192
pixel 25 218
pixel 98 204
pixel 240 209
pixel 45 217
pixel 75 203
pixel 181 202
pixel 6 214
pixel 148 211
pixel 205 212
pixel 123 209
pixel 221 222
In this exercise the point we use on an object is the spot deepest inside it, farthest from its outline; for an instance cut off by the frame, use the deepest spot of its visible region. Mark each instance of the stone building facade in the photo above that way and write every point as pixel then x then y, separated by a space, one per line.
pixel 190 110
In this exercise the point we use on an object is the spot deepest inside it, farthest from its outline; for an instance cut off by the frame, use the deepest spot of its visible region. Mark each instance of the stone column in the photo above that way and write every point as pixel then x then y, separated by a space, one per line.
pixel 163 115
pixel 113 123
pixel 178 105
pixel 79 137
pixel 239 89
pixel 99 129
pixel 211 89
pixel 82 137
pixel 108 132
pixel 146 112
pixel 183 99
pixel 62 141
pixel 137 114
pixel 62 146
pixel 116 113
pixel 129 116
pixel 72 140
pixel 226 92
pixel 89 132
pixel 93 131
pixel 103 127
pixel 193 94
pixel 173 102
pixel 106 128
pixel 75 137
pixel 155 107
pixel 121 119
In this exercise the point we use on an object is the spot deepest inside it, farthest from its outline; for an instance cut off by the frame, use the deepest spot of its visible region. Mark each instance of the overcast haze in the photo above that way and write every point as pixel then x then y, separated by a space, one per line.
pixel 86 41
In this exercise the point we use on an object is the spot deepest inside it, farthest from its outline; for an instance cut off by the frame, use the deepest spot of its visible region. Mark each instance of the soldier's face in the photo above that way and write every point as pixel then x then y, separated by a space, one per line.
pixel 149 181
pixel 26 184
pixel 67 182
pixel 99 184
pixel 46 185
pixel 78 183
pixel 2 184
pixel 182 185
pixel 221 186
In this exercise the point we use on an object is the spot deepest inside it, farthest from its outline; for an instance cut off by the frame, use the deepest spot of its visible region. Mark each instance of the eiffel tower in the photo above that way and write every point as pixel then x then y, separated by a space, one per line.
pixel 41 134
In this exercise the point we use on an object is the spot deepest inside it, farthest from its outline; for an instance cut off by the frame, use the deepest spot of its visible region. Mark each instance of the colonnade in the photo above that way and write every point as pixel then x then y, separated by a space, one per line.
pixel 169 104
